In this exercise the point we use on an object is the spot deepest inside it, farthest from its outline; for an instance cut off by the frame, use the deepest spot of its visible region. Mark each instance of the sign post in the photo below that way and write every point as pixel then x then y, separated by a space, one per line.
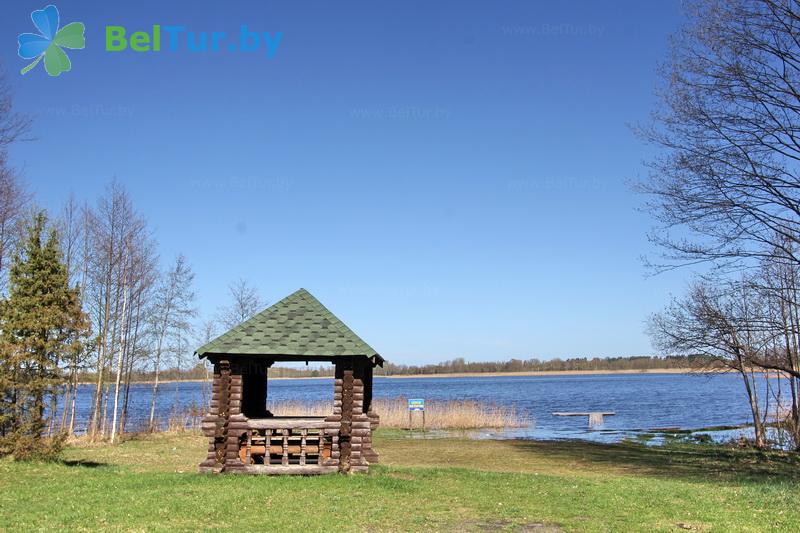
pixel 416 404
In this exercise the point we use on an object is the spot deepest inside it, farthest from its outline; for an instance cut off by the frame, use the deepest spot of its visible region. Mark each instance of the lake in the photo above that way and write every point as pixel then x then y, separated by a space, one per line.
pixel 642 402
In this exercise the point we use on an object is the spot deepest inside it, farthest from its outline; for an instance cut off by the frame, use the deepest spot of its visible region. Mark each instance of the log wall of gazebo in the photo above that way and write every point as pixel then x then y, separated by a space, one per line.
pixel 339 442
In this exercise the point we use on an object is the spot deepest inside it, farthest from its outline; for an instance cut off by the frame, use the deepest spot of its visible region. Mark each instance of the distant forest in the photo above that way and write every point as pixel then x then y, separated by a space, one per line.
pixel 458 365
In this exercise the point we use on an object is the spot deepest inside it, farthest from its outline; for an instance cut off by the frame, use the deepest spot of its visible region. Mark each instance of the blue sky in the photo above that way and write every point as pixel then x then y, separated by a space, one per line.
pixel 450 178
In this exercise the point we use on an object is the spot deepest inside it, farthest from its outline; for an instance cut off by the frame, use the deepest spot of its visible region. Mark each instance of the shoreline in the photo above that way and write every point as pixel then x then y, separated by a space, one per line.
pixel 531 373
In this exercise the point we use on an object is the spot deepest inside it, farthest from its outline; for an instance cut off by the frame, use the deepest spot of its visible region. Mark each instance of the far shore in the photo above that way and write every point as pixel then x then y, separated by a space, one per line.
pixel 548 373
pixel 484 374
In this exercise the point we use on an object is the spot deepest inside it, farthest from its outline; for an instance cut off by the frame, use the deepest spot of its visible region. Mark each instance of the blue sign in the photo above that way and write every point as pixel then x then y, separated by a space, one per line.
pixel 416 404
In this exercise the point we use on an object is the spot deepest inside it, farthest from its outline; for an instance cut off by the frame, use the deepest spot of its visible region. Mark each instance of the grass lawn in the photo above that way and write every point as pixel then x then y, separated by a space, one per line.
pixel 421 485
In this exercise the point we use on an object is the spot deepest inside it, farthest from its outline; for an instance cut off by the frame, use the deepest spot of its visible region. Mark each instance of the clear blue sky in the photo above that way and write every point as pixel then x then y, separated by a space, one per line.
pixel 450 178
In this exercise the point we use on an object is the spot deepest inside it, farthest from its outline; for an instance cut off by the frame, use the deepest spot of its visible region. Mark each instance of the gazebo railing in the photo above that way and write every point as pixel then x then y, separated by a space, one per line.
pixel 289 445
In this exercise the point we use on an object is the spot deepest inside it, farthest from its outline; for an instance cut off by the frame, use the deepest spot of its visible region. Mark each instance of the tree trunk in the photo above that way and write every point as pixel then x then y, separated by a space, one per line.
pixel 124 415
pixel 752 397
pixel 71 429
pixel 66 404
pixel 98 391
pixel 120 359
pixel 151 425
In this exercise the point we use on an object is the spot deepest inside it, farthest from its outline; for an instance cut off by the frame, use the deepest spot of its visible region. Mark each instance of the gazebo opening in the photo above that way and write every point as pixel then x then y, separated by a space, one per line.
pixel 244 436
pixel 254 392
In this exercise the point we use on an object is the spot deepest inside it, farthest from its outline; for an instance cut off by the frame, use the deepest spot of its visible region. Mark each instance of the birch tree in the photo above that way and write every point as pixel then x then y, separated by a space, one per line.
pixel 71 226
pixel 138 271
pixel 244 303
pixel 173 307
pixel 114 225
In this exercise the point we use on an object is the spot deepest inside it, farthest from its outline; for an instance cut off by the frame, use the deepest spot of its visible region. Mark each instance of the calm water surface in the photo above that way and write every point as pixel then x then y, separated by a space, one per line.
pixel 642 402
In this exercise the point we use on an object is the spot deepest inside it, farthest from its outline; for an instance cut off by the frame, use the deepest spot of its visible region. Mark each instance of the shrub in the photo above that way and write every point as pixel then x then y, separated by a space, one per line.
pixel 34 448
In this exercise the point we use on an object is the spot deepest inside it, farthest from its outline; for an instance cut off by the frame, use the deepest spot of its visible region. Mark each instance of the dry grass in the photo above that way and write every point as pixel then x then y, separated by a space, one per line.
pixel 451 414
pixel 178 422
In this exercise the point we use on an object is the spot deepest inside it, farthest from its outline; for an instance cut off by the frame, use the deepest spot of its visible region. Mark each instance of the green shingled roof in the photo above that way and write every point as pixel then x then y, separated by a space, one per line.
pixel 298 325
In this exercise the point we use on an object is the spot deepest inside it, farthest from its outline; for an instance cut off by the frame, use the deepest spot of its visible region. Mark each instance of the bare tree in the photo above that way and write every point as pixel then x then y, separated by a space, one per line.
pixel 14 201
pixel 124 337
pixel 13 126
pixel 245 302
pixel 729 124
pixel 726 189
pixel 723 321
pixel 173 308
pixel 206 333
pixel 71 226
pixel 139 273
pixel 779 284
pixel 13 196
pixel 71 230
pixel 138 347
pixel 113 226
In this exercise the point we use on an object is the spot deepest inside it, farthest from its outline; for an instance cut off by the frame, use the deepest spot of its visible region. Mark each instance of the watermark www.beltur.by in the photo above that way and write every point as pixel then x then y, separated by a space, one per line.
pixel 242 183
pixel 400 113
pixel 87 110
pixel 523 185
pixel 554 30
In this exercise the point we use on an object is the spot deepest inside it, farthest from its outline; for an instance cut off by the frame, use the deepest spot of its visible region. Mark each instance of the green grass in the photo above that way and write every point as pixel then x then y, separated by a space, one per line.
pixel 421 485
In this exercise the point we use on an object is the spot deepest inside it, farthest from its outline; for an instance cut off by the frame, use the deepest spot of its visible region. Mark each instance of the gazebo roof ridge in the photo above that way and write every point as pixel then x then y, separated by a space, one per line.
pixel 298 325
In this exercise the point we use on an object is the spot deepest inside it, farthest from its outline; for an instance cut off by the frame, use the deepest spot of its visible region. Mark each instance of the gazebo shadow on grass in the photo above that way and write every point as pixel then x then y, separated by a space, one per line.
pixel 700 462
pixel 83 464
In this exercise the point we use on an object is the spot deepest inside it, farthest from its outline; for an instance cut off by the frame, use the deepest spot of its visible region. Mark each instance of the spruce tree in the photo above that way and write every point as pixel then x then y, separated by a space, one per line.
pixel 42 325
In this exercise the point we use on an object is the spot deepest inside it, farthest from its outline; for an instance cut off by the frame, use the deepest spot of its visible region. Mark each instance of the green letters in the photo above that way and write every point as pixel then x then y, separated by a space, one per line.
pixel 115 39
pixel 140 41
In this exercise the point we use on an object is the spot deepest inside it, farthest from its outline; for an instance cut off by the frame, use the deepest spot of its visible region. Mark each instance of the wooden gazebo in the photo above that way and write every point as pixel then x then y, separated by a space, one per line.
pixel 244 437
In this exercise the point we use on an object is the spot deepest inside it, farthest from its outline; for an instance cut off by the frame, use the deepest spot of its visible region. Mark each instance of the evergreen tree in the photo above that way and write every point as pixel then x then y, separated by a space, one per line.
pixel 42 325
